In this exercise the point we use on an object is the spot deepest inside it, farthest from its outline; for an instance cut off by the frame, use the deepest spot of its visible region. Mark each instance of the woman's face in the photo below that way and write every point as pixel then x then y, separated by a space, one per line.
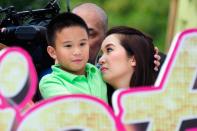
pixel 116 66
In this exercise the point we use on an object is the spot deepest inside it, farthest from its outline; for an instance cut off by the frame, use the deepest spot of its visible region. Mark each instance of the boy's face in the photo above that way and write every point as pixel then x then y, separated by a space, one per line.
pixel 71 49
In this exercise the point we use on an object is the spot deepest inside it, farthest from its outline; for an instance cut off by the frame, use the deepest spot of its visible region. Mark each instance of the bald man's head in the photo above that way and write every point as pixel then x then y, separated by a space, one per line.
pixel 93 8
pixel 96 19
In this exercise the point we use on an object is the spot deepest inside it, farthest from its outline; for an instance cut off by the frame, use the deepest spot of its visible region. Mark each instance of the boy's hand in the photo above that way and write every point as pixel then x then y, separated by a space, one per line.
pixel 29 105
pixel 157 59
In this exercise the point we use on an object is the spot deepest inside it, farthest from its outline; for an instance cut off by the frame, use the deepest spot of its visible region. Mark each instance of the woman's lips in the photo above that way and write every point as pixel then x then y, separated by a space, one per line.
pixel 103 69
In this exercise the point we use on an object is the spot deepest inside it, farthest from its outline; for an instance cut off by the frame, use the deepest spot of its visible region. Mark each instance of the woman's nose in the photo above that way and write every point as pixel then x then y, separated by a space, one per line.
pixel 102 60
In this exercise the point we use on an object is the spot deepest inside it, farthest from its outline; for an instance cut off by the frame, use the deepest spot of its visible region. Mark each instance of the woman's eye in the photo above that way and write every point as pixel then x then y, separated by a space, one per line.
pixel 109 50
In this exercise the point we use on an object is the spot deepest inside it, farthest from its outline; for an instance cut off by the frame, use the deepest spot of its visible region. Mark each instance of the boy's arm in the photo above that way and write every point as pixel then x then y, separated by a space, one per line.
pixel 52 87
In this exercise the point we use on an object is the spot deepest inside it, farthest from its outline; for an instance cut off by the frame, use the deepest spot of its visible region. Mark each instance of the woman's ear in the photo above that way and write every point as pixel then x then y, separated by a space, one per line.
pixel 51 52
pixel 132 61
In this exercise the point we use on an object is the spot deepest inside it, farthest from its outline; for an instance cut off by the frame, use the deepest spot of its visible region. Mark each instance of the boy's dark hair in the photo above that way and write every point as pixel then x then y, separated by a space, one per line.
pixel 61 21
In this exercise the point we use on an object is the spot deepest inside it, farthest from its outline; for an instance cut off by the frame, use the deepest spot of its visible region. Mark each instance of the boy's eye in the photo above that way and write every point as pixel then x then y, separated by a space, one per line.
pixel 82 44
pixel 67 45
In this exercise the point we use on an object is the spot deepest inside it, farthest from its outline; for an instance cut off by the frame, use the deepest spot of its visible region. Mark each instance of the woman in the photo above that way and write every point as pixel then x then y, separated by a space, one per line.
pixel 127 58
pixel 127 61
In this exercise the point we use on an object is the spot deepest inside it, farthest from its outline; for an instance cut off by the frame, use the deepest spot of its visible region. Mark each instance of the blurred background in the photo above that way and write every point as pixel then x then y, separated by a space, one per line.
pixel 161 19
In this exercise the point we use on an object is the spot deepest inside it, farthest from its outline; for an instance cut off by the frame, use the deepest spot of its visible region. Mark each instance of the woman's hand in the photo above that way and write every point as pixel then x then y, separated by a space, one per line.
pixel 157 59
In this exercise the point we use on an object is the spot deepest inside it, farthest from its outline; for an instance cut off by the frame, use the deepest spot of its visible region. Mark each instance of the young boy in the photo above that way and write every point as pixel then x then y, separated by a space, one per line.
pixel 67 36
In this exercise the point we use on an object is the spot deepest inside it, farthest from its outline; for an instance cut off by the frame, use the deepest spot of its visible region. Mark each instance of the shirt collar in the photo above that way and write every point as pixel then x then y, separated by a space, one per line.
pixel 89 69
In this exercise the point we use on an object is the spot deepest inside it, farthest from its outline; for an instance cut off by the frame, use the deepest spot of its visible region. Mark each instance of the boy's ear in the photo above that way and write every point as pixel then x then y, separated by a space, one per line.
pixel 132 61
pixel 51 52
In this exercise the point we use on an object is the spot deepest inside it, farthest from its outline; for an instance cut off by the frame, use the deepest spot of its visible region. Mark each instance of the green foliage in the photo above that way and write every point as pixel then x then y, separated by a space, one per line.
pixel 144 15
pixel 150 16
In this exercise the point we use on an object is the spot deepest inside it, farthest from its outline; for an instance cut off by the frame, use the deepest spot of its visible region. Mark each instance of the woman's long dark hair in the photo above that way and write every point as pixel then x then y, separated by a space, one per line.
pixel 140 46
